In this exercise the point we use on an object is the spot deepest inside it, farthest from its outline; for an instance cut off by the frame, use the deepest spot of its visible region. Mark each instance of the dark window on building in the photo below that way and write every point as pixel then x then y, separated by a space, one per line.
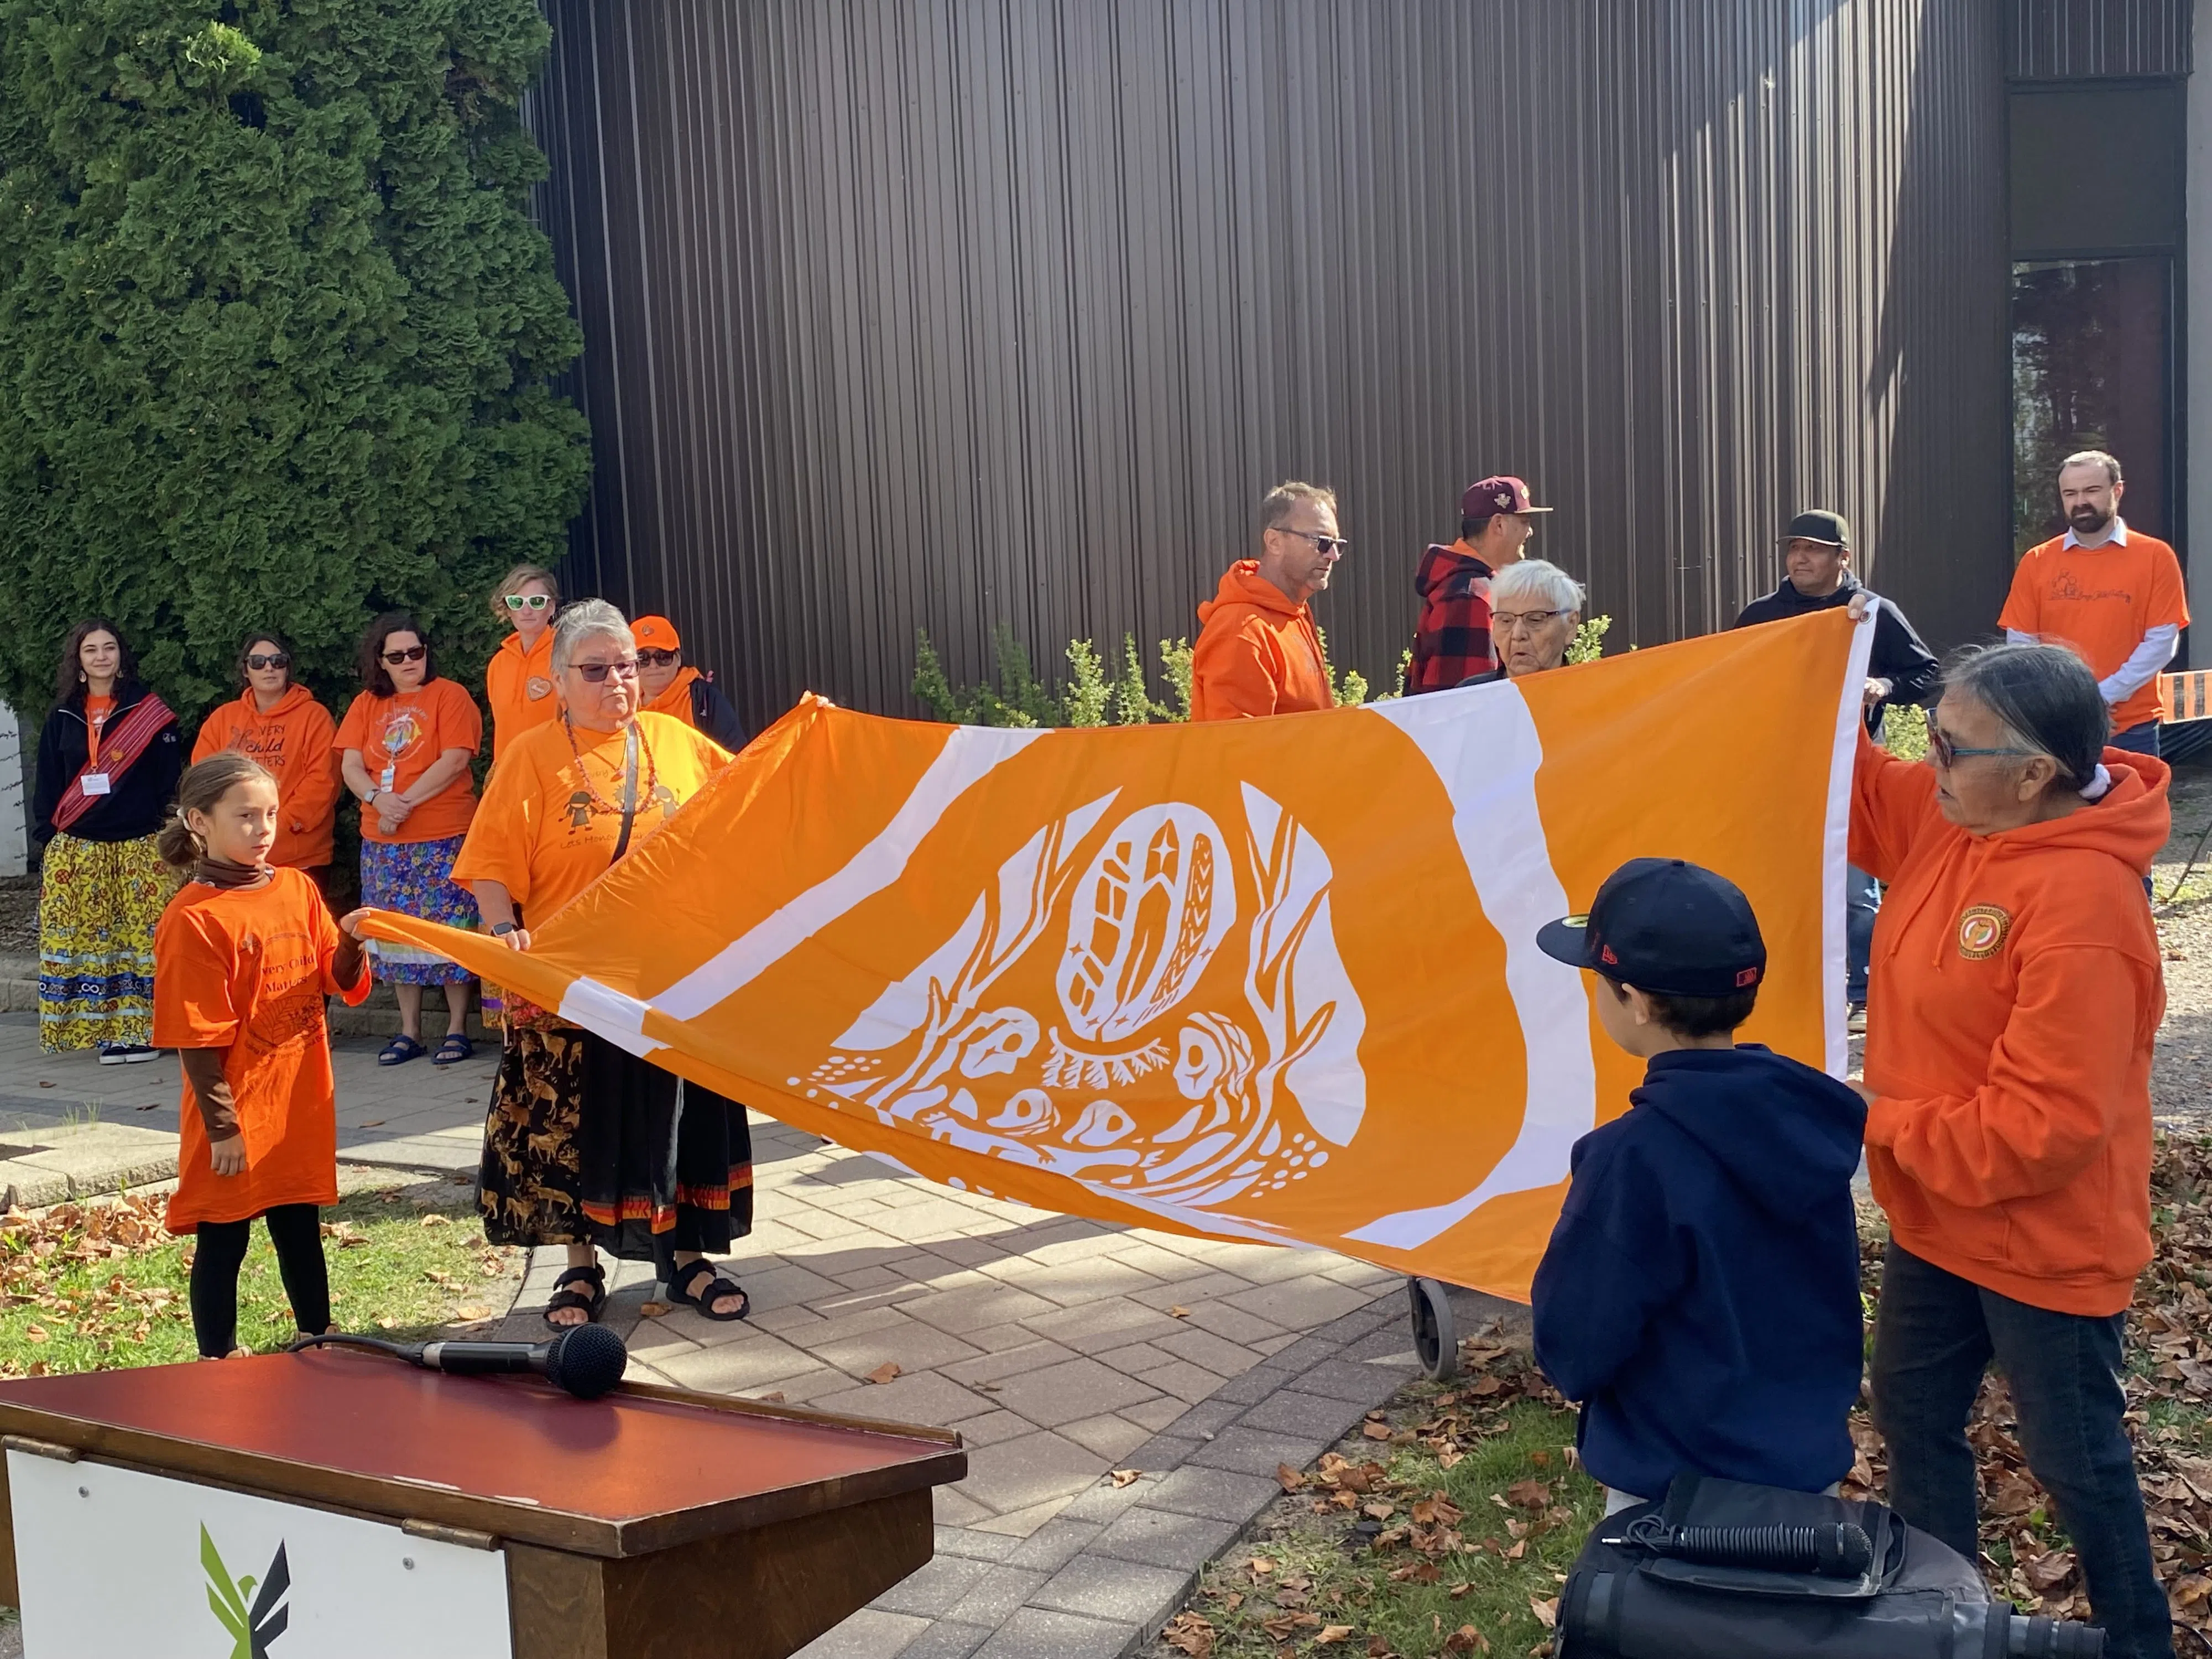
pixel 2096 239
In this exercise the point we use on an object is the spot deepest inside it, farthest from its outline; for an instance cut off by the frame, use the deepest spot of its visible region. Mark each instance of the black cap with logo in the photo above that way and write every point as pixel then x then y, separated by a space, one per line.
pixel 1818 526
pixel 1665 925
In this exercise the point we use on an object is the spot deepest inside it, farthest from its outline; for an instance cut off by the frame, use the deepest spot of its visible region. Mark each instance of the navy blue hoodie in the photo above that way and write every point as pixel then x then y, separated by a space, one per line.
pixel 1700 1294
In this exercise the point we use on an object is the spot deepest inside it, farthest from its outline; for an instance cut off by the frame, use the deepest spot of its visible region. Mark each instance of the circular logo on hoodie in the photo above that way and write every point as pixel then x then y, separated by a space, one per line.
pixel 1982 929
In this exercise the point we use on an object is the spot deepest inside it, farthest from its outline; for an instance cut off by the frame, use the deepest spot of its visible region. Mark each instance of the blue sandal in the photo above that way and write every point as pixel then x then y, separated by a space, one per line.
pixel 454 1049
pixel 401 1049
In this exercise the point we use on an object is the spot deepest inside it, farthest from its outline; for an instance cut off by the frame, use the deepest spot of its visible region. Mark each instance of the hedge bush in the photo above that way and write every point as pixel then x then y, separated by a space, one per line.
pixel 274 330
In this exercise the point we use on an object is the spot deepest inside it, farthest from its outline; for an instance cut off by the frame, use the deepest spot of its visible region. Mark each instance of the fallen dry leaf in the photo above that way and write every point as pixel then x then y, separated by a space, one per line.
pixel 1528 1495
pixel 434 1219
pixel 1289 1479
pixel 34 1334
pixel 883 1373
pixel 1376 1430
pixel 654 1310
pixel 776 1399
pixel 1191 1633
pixel 470 1312
pixel 373 1123
pixel 1178 1313
pixel 1332 1633
pixel 1123 1477
pixel 1260 1565
pixel 1467 1639
pixel 1547 1613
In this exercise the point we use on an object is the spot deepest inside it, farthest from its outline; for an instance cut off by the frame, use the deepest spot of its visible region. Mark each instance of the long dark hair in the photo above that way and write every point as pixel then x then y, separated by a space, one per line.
pixel 69 680
pixel 271 636
pixel 375 676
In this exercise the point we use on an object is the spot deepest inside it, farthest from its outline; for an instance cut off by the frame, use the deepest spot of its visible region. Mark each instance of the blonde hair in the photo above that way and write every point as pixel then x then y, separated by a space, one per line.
pixel 201 790
pixel 1279 503
pixel 516 579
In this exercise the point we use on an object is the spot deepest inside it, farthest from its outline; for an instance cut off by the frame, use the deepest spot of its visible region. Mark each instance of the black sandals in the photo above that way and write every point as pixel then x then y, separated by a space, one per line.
pixel 703 1301
pixel 590 1301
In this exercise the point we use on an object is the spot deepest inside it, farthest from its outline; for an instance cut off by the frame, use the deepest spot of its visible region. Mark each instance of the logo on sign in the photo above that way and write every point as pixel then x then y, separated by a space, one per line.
pixel 253 1626
pixel 1982 929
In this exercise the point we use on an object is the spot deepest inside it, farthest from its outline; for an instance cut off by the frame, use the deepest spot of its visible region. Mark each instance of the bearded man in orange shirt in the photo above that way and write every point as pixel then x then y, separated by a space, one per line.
pixel 2112 594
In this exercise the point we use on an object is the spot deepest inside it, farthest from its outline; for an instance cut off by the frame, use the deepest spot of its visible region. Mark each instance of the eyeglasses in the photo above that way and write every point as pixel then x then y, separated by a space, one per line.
pixel 653 659
pixel 1947 753
pixel 528 601
pixel 1508 622
pixel 412 653
pixel 1326 543
pixel 273 660
pixel 595 673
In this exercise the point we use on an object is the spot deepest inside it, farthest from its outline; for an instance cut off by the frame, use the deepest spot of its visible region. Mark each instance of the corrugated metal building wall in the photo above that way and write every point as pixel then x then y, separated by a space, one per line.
pixel 2082 39
pixel 946 313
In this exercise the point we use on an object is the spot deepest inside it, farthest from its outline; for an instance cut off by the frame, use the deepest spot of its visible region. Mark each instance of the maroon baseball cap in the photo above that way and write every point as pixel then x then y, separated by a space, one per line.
pixel 1502 494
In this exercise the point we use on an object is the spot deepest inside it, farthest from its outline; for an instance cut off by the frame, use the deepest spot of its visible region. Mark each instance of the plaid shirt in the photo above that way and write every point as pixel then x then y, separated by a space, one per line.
pixel 1452 640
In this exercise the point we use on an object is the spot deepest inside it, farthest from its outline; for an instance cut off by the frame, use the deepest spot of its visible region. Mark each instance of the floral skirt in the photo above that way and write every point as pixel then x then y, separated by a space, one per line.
pixel 585 1143
pixel 99 902
pixel 415 878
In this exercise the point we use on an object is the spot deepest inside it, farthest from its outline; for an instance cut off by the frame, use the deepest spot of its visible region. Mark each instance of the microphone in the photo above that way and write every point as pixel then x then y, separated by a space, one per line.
pixel 584 1360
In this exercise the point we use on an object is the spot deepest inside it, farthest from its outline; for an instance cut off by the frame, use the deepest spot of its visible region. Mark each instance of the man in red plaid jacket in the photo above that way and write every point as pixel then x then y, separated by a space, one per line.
pixel 1452 640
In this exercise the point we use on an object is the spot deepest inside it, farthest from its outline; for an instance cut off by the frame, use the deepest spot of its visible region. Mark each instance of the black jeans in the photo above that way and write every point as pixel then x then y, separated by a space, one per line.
pixel 2137 739
pixel 1935 1334
pixel 218 1252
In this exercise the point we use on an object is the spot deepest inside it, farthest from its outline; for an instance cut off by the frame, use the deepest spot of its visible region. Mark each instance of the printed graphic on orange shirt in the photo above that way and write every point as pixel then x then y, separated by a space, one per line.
pixel 402 734
pixel 1982 930
pixel 264 744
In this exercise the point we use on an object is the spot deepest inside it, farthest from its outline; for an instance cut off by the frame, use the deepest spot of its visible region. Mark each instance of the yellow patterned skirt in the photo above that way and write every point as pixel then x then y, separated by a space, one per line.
pixel 98 905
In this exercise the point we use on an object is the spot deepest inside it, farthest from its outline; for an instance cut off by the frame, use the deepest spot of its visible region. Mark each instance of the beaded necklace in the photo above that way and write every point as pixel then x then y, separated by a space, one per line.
pixel 599 802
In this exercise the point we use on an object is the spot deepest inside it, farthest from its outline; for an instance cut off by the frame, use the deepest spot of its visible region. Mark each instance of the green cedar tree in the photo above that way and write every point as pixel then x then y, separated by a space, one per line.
pixel 274 330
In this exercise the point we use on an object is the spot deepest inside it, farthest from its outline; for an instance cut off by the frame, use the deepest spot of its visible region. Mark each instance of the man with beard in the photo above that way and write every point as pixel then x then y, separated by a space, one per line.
pixel 1259 652
pixel 2112 594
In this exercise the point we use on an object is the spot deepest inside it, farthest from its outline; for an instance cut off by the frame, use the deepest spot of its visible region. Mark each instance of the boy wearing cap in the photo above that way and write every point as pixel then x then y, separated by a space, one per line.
pixel 666 686
pixel 1451 641
pixel 1700 1298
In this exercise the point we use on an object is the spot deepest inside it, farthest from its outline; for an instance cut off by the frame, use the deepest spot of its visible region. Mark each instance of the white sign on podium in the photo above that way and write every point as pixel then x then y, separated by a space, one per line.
pixel 111 1564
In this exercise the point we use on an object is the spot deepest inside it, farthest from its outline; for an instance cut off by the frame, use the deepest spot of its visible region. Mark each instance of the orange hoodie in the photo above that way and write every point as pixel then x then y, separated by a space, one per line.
pixel 293 740
pixel 507 688
pixel 1257 653
pixel 2016 988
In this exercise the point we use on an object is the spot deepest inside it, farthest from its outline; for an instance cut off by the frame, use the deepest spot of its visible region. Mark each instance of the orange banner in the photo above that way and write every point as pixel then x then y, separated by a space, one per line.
pixel 1271 980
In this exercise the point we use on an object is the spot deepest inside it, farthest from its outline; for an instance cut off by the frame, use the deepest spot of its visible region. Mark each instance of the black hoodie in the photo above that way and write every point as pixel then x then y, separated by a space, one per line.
pixel 1700 1295
pixel 142 795
pixel 1898 655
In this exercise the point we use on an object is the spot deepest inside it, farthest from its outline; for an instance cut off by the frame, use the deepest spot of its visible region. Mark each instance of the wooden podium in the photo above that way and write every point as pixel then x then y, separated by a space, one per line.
pixel 433 1516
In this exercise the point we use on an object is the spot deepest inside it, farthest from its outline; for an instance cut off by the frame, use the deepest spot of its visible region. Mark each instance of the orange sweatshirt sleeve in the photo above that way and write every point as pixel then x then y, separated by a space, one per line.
pixel 313 773
pixel 1233 674
pixel 1892 802
pixel 214 735
pixel 2053 1097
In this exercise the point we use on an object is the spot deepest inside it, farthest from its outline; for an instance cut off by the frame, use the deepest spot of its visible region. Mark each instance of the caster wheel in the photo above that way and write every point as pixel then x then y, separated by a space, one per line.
pixel 1435 1339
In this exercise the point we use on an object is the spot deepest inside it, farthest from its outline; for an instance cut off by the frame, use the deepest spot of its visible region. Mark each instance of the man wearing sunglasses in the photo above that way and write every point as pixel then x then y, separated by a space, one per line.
pixel 669 687
pixel 1258 651
pixel 1816 575
pixel 1451 641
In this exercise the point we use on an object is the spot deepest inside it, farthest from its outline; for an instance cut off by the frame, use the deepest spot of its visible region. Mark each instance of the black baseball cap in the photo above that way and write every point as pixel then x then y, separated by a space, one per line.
pixel 1834 528
pixel 1665 925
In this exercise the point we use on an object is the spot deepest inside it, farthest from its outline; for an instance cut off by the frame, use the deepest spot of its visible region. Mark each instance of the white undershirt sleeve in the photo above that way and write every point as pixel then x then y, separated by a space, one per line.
pixel 2014 637
pixel 2157 649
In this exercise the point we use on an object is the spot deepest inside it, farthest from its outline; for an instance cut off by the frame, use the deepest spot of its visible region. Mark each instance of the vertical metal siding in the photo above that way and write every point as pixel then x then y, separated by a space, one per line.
pixel 2077 39
pixel 941 314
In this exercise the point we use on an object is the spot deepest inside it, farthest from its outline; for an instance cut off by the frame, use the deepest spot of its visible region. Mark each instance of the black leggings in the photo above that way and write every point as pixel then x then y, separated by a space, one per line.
pixel 296 1231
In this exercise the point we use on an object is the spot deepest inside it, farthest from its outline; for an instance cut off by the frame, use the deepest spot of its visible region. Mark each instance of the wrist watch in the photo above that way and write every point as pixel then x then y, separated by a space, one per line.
pixel 502 929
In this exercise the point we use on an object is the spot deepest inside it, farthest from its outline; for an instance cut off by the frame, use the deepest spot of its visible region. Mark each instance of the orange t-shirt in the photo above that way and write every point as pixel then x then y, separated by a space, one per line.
pixel 541 834
pixel 96 713
pixel 246 972
pixel 293 740
pixel 2101 600
pixel 405 735
pixel 507 680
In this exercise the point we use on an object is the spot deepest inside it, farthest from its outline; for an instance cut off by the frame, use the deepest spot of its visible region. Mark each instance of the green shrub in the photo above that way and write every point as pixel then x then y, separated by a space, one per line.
pixel 1174 668
pixel 1133 703
pixel 1018 698
pixel 1904 731
pixel 1589 639
pixel 1088 696
pixel 276 330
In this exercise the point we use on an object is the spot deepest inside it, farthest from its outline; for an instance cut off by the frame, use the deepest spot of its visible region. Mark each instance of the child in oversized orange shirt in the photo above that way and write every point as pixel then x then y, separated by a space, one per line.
pixel 243 957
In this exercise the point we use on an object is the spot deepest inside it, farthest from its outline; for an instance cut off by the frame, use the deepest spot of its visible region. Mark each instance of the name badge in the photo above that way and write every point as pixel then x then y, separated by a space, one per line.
pixel 95 783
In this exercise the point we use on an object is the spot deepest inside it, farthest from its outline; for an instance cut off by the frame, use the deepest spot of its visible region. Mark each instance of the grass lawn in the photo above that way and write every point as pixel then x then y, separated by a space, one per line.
pixel 1446 1525
pixel 93 1286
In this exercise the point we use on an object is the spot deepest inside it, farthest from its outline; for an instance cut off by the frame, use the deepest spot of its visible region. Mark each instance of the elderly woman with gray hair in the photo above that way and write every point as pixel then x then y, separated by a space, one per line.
pixel 586 1145
pixel 2017 987
pixel 1535 609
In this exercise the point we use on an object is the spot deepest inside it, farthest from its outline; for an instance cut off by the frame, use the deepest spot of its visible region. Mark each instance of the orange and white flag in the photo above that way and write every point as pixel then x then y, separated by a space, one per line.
pixel 1272 980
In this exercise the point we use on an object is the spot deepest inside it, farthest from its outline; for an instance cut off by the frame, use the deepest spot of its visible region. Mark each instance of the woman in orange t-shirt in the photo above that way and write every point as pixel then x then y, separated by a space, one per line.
pixel 518 679
pixel 587 1145
pixel 243 958
pixel 278 722
pixel 405 746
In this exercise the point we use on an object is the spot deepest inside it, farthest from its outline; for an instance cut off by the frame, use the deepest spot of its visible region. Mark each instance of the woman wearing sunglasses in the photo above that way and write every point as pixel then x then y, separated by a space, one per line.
pixel 586 1145
pixel 405 747
pixel 2017 986
pixel 279 724
pixel 669 686
pixel 518 679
